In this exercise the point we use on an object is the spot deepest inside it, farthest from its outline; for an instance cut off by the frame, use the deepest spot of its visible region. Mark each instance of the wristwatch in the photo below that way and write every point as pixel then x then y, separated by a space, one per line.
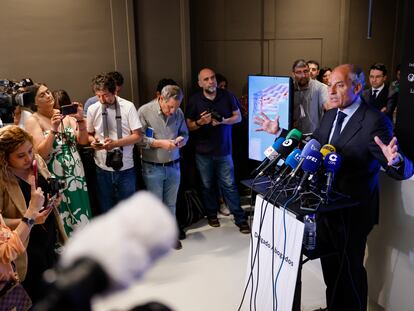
pixel 29 221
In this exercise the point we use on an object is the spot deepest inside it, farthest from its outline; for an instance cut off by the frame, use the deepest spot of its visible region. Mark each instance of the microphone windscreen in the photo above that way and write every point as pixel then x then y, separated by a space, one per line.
pixel 332 162
pixel 288 145
pixel 327 149
pixel 312 145
pixel 278 142
pixel 126 240
pixel 272 152
pixel 294 133
pixel 312 161
pixel 293 158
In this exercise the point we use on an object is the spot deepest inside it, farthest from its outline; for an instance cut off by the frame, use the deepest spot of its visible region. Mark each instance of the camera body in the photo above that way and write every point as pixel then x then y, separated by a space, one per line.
pixel 69 109
pixel 12 96
pixel 55 185
pixel 114 159
pixel 215 115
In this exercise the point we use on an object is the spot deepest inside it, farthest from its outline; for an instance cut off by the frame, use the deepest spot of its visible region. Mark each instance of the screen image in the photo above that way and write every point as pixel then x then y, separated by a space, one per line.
pixel 271 95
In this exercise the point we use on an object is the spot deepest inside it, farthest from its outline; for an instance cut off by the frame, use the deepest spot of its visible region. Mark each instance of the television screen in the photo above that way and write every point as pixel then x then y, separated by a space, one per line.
pixel 271 95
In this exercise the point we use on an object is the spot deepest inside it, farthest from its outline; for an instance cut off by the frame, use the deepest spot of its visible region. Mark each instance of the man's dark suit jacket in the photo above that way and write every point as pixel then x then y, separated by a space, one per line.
pixel 385 98
pixel 361 160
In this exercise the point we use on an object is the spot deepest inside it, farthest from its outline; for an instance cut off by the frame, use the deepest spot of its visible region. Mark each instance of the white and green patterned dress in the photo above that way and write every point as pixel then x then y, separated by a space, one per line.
pixel 65 163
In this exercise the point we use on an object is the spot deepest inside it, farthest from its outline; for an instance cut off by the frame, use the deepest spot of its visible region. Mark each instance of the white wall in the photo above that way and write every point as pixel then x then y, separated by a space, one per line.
pixel 390 261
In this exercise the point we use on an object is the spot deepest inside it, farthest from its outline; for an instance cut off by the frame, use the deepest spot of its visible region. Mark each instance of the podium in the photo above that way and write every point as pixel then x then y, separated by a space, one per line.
pixel 273 277
pixel 274 260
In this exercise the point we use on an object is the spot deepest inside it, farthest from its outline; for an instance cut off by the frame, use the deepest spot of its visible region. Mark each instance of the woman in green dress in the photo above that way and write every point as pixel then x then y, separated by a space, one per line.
pixel 55 139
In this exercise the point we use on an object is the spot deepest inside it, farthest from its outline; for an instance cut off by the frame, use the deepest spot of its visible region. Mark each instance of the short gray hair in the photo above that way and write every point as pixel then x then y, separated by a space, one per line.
pixel 299 63
pixel 172 91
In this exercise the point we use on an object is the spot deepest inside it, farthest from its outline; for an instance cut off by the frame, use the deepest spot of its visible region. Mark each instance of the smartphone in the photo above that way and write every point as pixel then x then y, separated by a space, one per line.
pixel 34 167
pixel 69 109
pixel 50 203
pixel 98 144
pixel 149 132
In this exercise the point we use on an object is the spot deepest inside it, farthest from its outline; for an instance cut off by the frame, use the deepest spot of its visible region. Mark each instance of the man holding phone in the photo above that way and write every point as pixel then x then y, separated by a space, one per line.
pixel 113 128
pixel 165 133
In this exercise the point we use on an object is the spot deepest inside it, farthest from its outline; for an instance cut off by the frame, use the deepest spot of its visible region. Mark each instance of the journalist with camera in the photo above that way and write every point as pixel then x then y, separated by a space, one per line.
pixel 114 127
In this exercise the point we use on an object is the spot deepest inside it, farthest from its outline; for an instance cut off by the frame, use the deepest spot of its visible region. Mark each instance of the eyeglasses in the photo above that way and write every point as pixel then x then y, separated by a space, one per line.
pixel 301 72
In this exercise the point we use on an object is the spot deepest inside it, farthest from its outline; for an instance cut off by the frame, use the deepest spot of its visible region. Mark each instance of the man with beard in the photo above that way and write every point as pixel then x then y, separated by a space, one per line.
pixel 210 115
pixel 114 127
pixel 310 99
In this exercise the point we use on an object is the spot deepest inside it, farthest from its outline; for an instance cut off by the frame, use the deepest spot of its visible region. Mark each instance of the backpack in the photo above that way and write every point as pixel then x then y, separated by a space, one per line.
pixel 190 209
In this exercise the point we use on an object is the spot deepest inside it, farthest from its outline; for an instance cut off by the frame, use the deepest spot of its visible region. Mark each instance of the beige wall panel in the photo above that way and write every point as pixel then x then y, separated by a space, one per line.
pixel 124 47
pixel 235 60
pixel 304 18
pixel 62 43
pixel 269 19
pixel 227 20
pixel 159 45
pixel 242 19
pixel 285 52
pixel 363 51
pixel 318 19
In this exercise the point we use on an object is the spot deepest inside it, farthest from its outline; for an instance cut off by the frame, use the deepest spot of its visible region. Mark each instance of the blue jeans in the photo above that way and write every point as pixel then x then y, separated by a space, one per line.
pixel 163 181
pixel 221 170
pixel 113 187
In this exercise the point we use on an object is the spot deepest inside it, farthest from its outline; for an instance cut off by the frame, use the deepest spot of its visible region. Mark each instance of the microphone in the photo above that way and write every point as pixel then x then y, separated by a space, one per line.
pixel 270 154
pixel 332 163
pixel 314 145
pixel 111 252
pixel 295 134
pixel 310 166
pixel 327 148
pixel 291 162
pixel 292 141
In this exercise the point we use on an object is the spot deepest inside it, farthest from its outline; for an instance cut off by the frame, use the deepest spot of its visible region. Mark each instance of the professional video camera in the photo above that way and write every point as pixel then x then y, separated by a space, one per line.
pixel 11 96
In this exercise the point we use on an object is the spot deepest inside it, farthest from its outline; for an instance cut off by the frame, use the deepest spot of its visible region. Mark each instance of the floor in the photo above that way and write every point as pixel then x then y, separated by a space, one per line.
pixel 207 274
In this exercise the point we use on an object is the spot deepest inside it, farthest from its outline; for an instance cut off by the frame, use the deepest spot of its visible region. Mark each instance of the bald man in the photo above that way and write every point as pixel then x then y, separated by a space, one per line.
pixel 210 115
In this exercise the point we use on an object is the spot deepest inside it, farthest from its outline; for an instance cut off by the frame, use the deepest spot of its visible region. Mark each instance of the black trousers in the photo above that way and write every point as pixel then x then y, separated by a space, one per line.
pixel 342 238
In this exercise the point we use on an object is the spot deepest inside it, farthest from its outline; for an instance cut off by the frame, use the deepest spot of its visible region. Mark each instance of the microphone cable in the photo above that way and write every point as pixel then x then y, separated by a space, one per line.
pixel 253 257
pixel 269 200
pixel 268 194
pixel 284 250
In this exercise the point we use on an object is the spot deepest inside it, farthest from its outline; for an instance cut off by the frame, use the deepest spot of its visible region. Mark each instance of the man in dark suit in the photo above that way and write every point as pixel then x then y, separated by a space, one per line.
pixel 379 95
pixel 364 140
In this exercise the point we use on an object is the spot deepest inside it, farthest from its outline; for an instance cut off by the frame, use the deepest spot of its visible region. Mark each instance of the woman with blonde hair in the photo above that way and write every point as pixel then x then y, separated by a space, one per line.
pixel 55 138
pixel 20 180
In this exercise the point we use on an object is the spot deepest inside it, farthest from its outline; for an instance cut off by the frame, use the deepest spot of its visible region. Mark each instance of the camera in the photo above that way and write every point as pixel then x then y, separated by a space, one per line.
pixel 11 95
pixel 215 115
pixel 55 185
pixel 114 159
pixel 69 109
